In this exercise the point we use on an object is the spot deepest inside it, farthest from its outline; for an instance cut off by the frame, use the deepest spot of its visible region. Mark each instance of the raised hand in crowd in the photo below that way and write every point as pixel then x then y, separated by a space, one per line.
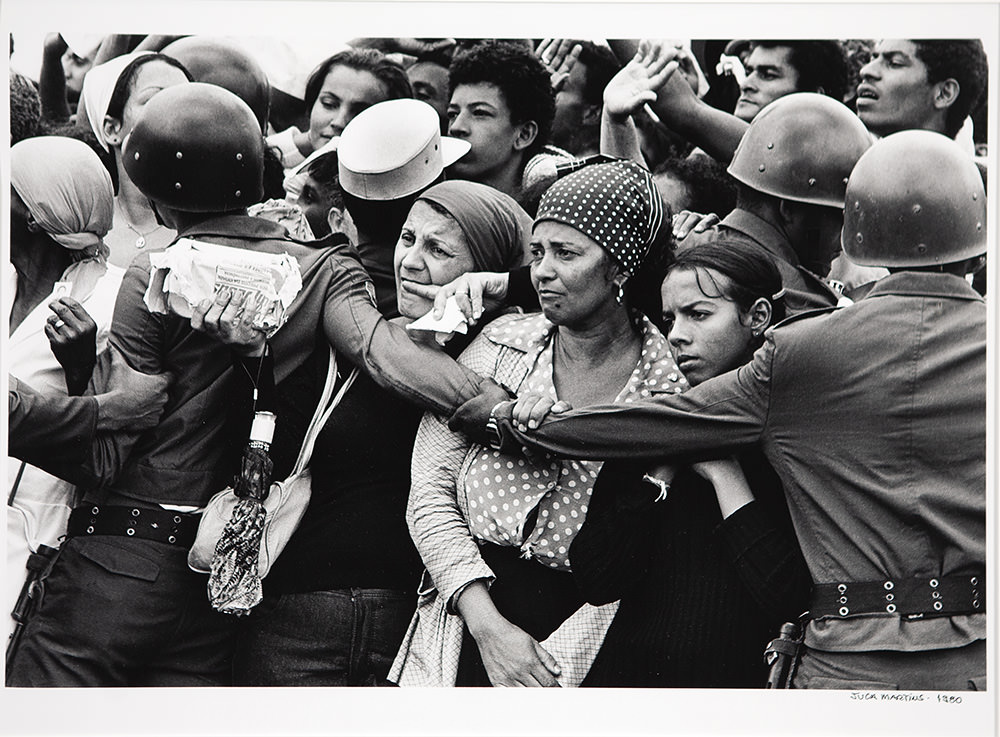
pixel 559 55
pixel 628 92
pixel 410 46
pixel 636 84
pixel 72 335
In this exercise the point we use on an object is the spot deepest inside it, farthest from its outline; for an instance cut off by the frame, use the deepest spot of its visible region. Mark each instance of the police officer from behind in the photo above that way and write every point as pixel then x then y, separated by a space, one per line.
pixel 874 416
pixel 791 170
pixel 121 606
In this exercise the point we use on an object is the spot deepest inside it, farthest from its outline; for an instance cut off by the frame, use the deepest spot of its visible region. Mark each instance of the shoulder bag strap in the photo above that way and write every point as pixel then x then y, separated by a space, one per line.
pixel 324 408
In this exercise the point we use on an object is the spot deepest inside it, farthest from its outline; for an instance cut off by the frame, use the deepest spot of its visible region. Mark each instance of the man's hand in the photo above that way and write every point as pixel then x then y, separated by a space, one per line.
pixel 473 293
pixel 636 84
pixel 229 318
pixel 134 400
pixel 472 416
pixel 686 222
pixel 410 46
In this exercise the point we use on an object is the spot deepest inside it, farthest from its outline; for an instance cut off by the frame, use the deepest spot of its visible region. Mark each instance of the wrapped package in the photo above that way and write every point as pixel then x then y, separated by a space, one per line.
pixel 192 271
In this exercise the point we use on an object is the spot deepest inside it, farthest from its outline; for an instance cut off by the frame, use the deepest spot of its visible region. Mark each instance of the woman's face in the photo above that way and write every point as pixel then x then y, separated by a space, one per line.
pixel 573 275
pixel 431 250
pixel 345 93
pixel 149 79
pixel 707 334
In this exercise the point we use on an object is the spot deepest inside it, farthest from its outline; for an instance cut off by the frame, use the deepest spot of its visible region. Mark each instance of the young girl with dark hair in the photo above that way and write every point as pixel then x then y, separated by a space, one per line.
pixel 705 564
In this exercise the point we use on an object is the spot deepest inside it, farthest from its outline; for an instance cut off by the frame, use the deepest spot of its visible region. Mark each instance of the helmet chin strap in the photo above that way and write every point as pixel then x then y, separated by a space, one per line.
pixel 156 213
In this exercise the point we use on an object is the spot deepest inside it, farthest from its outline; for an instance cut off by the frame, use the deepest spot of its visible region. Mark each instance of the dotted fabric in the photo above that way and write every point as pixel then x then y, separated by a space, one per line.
pixel 516 351
pixel 501 490
pixel 615 204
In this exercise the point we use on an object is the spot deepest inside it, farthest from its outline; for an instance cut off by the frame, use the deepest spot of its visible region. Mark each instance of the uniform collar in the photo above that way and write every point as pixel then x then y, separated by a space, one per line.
pixel 769 237
pixel 924 284
pixel 236 226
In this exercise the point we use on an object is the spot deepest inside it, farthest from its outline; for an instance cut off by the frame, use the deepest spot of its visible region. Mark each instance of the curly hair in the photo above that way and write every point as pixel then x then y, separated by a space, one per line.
pixel 821 65
pixel 520 76
pixel 963 60
pixel 709 186
pixel 390 74
pixel 25 108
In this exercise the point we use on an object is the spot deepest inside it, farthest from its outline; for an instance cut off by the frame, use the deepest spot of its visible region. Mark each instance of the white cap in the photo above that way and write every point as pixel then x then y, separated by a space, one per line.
pixel 394 149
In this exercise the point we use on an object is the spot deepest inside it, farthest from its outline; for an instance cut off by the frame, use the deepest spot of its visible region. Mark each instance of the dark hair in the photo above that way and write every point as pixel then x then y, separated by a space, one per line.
pixel 602 65
pixel 963 60
pixel 380 220
pixel 658 142
pixel 520 76
pixel 274 174
pixel 25 108
pixel 325 170
pixel 123 86
pixel 441 57
pixel 821 65
pixel 709 186
pixel 642 290
pixel 750 269
pixel 385 70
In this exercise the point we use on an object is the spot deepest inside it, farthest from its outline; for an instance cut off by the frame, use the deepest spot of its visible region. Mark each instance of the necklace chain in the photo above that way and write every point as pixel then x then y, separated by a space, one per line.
pixel 140 242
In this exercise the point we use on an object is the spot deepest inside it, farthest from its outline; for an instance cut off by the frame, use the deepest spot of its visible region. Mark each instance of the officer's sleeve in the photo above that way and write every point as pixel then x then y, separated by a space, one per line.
pixel 356 328
pixel 49 430
pixel 722 414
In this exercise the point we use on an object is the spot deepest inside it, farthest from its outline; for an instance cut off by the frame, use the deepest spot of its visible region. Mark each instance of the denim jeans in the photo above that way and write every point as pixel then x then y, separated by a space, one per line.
pixel 347 637
pixel 122 611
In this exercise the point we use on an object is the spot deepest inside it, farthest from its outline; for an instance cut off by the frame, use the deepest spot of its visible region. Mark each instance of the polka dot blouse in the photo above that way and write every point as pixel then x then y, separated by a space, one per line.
pixel 505 493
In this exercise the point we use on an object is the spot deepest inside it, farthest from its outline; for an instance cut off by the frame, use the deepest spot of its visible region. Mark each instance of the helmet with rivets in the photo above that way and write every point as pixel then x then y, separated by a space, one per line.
pixel 197 148
pixel 801 147
pixel 914 199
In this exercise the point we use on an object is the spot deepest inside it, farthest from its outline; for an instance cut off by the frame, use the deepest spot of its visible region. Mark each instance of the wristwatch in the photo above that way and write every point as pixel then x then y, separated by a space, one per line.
pixel 493 427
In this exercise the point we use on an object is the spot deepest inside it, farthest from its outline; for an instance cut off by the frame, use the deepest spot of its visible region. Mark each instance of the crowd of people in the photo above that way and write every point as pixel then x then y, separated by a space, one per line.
pixel 643 350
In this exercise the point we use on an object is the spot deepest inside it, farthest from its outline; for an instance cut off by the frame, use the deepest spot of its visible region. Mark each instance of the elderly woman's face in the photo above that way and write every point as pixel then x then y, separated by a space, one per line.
pixel 431 250
pixel 345 93
pixel 572 273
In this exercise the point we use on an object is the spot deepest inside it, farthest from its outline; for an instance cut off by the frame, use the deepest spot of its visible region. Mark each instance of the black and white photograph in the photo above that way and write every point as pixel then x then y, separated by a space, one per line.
pixel 371 362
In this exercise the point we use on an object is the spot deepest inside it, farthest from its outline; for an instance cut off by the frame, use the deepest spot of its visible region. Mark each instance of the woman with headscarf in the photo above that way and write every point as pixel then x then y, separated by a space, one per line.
pixel 59 296
pixel 114 93
pixel 338 601
pixel 498 605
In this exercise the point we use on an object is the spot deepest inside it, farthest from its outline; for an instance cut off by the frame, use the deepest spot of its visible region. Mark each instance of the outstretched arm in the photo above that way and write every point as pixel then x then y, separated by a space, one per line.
pixel 628 92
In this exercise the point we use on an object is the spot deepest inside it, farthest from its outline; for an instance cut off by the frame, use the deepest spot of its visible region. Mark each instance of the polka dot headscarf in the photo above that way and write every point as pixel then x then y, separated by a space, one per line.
pixel 615 204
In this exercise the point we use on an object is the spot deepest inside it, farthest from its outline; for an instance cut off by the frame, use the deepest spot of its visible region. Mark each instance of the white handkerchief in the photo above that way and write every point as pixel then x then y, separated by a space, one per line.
pixel 452 321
